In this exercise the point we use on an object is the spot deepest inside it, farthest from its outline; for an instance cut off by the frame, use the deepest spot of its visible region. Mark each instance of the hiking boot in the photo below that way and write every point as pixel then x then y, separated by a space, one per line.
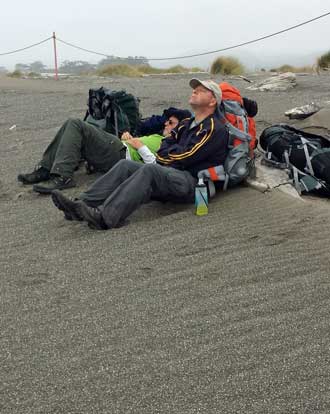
pixel 92 215
pixel 38 175
pixel 57 182
pixel 65 204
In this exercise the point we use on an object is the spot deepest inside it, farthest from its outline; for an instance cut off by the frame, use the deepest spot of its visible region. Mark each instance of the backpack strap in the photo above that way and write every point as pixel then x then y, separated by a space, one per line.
pixel 233 107
pixel 301 180
pixel 306 143
pixel 237 133
pixel 209 175
pixel 226 182
pixel 305 182
pixel 267 160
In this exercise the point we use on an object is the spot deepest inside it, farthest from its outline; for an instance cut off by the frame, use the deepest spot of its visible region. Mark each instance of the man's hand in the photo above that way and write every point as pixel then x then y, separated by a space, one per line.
pixel 134 142
pixel 125 136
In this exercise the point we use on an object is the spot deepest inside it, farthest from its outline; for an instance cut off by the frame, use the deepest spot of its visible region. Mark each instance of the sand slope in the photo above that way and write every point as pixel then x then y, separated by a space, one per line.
pixel 228 313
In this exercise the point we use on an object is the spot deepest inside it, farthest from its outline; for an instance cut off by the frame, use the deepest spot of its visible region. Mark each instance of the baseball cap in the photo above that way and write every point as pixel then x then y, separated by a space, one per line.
pixel 210 85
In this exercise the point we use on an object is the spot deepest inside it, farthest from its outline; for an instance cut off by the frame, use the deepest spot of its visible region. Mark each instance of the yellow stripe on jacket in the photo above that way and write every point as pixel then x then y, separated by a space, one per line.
pixel 196 147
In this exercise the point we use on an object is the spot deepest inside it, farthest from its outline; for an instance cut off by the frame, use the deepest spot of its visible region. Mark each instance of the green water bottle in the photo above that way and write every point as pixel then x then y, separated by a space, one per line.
pixel 201 199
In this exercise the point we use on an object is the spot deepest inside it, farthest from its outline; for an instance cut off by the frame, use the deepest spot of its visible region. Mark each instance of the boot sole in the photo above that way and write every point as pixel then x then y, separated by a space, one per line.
pixel 27 182
pixel 44 190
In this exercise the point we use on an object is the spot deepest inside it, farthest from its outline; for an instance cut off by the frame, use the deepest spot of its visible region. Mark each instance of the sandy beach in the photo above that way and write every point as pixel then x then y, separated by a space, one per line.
pixel 177 314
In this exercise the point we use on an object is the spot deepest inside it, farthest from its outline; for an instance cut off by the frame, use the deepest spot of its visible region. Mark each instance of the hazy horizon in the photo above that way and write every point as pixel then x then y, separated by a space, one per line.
pixel 155 29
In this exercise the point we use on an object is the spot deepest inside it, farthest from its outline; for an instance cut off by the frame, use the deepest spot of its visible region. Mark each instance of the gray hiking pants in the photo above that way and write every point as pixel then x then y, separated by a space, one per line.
pixel 130 184
pixel 77 139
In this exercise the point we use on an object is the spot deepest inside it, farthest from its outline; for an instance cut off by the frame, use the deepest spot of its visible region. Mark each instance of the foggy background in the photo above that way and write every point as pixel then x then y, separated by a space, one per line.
pixel 156 29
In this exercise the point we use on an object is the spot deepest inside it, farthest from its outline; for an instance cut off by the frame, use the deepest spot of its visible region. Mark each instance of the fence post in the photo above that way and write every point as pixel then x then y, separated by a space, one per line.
pixel 55 55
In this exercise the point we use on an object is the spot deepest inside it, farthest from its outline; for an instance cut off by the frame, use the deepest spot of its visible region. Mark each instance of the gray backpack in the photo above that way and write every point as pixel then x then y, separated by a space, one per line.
pixel 239 161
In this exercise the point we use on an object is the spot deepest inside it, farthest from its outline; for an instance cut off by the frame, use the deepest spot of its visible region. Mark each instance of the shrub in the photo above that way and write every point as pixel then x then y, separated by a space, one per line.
pixel 323 62
pixel 16 74
pixel 34 75
pixel 286 68
pixel 118 70
pixel 149 70
pixel 196 69
pixel 308 69
pixel 140 70
pixel 146 69
pixel 294 69
pixel 177 69
pixel 226 66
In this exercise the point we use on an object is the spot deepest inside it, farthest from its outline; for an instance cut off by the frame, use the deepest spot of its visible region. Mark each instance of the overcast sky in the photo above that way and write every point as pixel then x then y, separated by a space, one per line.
pixel 155 28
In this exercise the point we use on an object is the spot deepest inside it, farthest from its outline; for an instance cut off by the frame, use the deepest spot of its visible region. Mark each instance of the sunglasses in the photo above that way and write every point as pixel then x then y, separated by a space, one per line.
pixel 171 122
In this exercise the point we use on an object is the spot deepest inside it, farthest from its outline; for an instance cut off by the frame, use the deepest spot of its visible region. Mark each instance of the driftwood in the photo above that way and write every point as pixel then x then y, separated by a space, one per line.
pixel 277 83
pixel 302 112
pixel 246 79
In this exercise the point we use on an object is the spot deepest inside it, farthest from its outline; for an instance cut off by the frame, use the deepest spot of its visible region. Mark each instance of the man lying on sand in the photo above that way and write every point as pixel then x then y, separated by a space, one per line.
pixel 77 139
pixel 195 144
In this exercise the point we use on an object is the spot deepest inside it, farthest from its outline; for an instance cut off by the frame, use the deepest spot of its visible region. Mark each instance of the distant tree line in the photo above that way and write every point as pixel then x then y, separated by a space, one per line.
pixel 81 66
pixel 36 67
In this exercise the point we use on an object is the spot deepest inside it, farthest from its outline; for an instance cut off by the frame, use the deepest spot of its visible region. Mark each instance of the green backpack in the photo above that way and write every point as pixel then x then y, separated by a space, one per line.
pixel 113 111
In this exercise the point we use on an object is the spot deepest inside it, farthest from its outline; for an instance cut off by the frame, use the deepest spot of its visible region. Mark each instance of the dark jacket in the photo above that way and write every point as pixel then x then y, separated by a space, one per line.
pixel 197 148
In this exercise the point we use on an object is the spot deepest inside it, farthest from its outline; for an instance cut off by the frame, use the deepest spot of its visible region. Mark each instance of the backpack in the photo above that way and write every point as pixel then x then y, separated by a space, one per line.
pixel 242 140
pixel 113 111
pixel 305 155
pixel 154 124
pixel 239 112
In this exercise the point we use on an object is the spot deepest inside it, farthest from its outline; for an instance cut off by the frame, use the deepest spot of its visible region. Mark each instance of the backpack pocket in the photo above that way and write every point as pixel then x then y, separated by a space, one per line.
pixel 321 165
pixel 237 164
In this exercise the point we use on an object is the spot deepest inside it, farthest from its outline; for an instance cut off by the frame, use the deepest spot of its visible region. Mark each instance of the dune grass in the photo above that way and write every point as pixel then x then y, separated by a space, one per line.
pixel 140 70
pixel 118 70
pixel 226 65
pixel 294 69
pixel 323 62
pixel 15 74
